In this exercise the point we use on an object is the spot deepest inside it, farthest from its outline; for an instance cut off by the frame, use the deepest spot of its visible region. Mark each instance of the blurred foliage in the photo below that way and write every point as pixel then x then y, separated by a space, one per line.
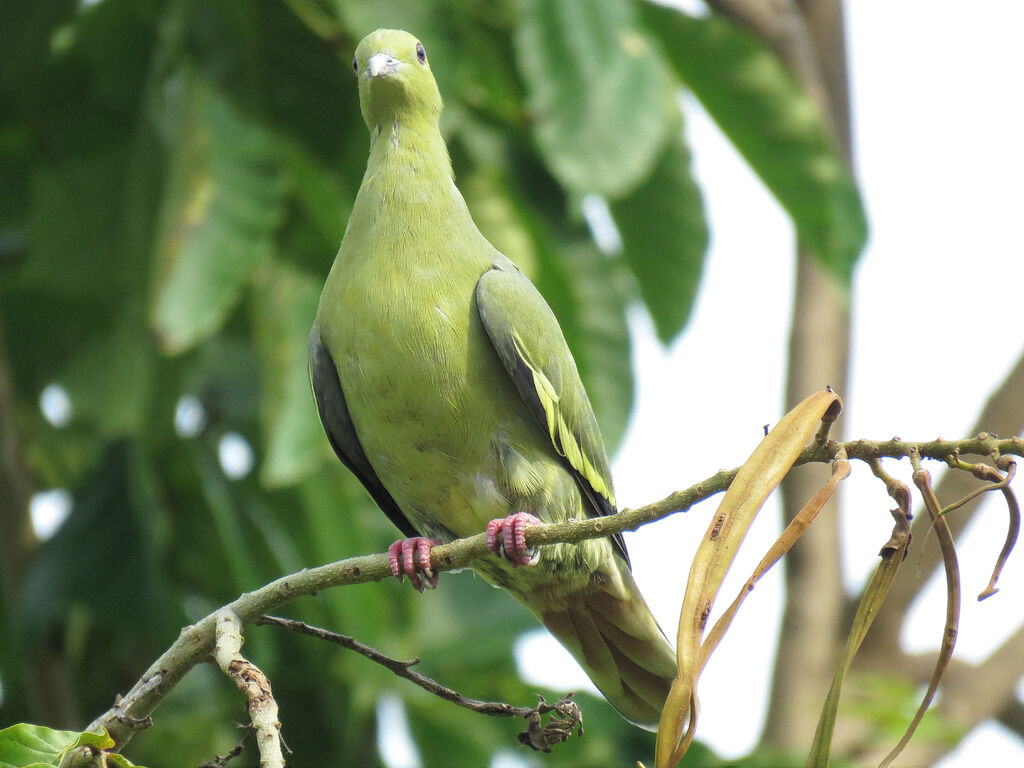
pixel 176 177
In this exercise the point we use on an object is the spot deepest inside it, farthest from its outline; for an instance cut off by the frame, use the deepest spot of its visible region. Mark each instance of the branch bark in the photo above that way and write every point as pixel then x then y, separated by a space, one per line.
pixel 251 681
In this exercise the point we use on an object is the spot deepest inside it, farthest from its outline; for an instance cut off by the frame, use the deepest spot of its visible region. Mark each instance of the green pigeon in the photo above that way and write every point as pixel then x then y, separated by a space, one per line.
pixel 444 383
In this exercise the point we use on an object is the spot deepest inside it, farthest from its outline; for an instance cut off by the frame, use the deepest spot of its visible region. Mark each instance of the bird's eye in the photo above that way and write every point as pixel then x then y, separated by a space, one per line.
pixel 421 53
pixel 355 65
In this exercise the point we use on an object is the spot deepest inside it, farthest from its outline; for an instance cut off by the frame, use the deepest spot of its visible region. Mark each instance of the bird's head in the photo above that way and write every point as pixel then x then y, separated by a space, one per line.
pixel 394 77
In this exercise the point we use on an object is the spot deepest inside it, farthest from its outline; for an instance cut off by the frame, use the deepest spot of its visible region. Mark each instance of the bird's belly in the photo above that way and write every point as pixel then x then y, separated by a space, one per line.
pixel 449 436
pixel 428 399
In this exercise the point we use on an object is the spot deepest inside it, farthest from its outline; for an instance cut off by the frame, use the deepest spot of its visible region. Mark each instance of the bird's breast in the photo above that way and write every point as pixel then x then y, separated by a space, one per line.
pixel 426 395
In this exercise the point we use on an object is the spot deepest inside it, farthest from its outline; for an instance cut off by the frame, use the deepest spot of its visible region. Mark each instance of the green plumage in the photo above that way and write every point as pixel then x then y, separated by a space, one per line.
pixel 444 383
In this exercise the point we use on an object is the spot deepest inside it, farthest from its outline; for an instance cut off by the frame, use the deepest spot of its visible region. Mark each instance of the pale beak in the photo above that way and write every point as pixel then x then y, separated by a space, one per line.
pixel 381 64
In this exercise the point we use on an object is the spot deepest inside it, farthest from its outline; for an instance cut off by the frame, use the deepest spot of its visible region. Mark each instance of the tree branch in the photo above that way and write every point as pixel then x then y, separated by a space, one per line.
pixel 402 669
pixel 1012 716
pixel 196 642
pixel 1004 414
pixel 251 681
pixel 220 761
pixel 566 718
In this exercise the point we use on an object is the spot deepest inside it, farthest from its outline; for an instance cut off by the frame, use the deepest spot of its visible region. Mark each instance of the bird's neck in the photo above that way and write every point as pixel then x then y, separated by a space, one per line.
pixel 410 146
pixel 408 197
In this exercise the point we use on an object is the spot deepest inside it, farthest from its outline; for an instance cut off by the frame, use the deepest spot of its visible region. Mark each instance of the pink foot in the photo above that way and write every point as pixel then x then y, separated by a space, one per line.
pixel 507 537
pixel 411 557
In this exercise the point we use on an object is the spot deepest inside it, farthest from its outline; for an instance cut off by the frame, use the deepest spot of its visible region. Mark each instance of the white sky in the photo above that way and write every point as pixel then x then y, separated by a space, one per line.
pixel 938 126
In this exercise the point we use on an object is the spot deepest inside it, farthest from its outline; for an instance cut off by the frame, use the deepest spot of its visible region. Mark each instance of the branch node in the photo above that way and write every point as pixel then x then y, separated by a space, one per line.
pixel 565 718
pixel 251 681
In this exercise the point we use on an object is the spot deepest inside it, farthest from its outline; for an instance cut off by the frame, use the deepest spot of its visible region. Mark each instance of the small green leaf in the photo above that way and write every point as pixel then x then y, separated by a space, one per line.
pixel 34 746
pixel 773 123
pixel 596 89
pixel 223 207
pixel 285 303
pixel 664 238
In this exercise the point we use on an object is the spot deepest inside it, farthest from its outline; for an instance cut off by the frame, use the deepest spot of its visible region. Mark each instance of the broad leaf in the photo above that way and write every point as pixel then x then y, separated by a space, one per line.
pixel 664 238
pixel 109 377
pixel 285 304
pixel 114 510
pixel 35 746
pixel 759 105
pixel 596 90
pixel 224 204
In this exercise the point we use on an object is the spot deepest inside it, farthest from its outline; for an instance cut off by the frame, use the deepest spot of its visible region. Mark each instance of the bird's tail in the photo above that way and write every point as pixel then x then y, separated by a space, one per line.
pixel 620 645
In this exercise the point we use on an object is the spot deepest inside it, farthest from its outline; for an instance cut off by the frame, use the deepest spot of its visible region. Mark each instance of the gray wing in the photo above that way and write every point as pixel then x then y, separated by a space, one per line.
pixel 337 423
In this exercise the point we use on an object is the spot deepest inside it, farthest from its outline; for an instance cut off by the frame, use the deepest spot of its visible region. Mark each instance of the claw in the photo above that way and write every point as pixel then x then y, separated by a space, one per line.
pixel 411 557
pixel 507 538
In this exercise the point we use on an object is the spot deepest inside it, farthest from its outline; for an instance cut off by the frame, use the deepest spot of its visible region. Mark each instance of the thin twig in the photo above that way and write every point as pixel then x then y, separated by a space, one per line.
pixel 222 760
pixel 402 669
pixel 982 472
pixel 565 713
pixel 995 482
pixel 923 481
pixel 1013 529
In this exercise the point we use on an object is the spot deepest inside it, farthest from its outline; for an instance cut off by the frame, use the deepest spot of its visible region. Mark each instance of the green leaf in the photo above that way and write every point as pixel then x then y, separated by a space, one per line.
pixel 773 123
pixel 74 228
pixel 285 304
pixel 114 510
pixel 499 217
pixel 225 202
pixel 26 38
pixel 316 194
pixel 361 17
pixel 109 377
pixel 596 90
pixel 34 746
pixel 664 238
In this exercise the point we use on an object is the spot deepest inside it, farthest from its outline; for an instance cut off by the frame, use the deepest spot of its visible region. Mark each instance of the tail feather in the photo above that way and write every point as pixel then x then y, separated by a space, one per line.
pixel 636 650
pixel 619 644
pixel 576 630
pixel 649 687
